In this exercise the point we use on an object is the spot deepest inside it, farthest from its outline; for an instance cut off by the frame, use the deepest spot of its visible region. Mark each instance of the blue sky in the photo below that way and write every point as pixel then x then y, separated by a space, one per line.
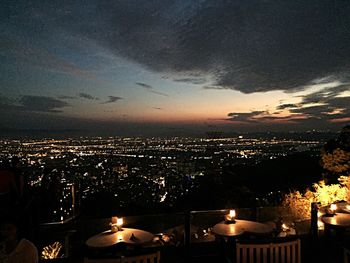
pixel 175 65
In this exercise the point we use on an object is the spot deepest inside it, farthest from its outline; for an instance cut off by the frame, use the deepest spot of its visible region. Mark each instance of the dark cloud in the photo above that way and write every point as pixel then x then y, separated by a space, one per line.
pixel 244 116
pixel 249 46
pixel 197 81
pixel 259 119
pixel 279 118
pixel 325 94
pixel 36 57
pixel 149 88
pixel 339 102
pixel 312 111
pixel 112 99
pixel 329 98
pixel 65 97
pixel 5 101
pixel 214 87
pixel 317 109
pixel 87 96
pixel 325 110
pixel 33 104
pixel 286 106
pixel 159 93
pixel 157 108
pixel 144 85
pixel 41 104
pixel 324 105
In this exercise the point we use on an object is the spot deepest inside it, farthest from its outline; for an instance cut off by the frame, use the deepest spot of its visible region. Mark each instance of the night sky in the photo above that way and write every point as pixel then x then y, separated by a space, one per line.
pixel 174 66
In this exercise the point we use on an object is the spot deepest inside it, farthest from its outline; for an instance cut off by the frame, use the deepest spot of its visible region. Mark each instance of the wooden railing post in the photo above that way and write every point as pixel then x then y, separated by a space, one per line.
pixel 314 220
pixel 187 240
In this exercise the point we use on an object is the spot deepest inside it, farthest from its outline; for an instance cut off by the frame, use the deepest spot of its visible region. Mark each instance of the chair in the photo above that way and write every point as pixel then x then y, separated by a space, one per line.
pixel 283 252
pixel 148 258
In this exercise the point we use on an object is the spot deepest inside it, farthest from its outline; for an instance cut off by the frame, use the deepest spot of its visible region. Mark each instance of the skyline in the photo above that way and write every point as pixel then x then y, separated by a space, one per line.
pixel 132 67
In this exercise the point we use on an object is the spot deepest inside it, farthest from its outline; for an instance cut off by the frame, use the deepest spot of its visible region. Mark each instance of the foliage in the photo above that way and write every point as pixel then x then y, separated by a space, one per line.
pixel 300 204
pixel 328 194
pixel 51 251
pixel 336 161
pixel 345 181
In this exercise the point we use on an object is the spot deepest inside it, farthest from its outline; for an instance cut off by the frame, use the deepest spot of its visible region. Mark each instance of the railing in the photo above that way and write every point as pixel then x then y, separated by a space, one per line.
pixel 184 229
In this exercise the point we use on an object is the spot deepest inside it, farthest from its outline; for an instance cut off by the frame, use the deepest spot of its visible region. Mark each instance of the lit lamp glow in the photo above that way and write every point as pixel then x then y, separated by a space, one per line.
pixel 120 222
pixel 333 208
pixel 116 224
pixel 285 228
pixel 230 218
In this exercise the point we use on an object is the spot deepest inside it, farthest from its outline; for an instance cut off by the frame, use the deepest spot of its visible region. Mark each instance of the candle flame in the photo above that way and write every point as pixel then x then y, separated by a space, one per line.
pixel 120 221
pixel 333 207
pixel 232 213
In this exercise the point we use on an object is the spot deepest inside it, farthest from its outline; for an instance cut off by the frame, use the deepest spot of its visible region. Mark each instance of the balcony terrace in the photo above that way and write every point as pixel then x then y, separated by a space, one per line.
pixel 189 236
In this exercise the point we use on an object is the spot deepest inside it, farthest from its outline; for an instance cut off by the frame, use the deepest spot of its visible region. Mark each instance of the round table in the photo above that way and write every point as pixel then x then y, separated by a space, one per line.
pixel 338 220
pixel 129 236
pixel 240 227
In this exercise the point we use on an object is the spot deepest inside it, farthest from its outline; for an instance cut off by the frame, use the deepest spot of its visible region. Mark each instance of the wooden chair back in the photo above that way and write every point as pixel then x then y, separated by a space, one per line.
pixel 283 252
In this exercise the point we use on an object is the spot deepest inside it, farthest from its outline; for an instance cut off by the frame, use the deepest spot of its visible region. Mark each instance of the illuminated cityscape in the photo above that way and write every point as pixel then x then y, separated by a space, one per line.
pixel 141 172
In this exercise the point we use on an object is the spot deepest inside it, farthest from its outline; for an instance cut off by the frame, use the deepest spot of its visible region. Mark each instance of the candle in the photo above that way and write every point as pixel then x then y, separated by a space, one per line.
pixel 232 214
pixel 284 227
pixel 116 224
pixel 333 208
pixel 120 222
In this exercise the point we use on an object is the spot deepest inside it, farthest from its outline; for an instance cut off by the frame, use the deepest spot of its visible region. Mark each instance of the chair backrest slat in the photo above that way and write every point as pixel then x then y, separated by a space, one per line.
pixel 284 252
pixel 265 254
pixel 251 255
pixel 258 254
pixel 244 255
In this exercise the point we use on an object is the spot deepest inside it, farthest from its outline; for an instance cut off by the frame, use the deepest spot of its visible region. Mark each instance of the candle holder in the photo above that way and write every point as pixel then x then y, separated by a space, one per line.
pixel 331 211
pixel 116 224
pixel 230 218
